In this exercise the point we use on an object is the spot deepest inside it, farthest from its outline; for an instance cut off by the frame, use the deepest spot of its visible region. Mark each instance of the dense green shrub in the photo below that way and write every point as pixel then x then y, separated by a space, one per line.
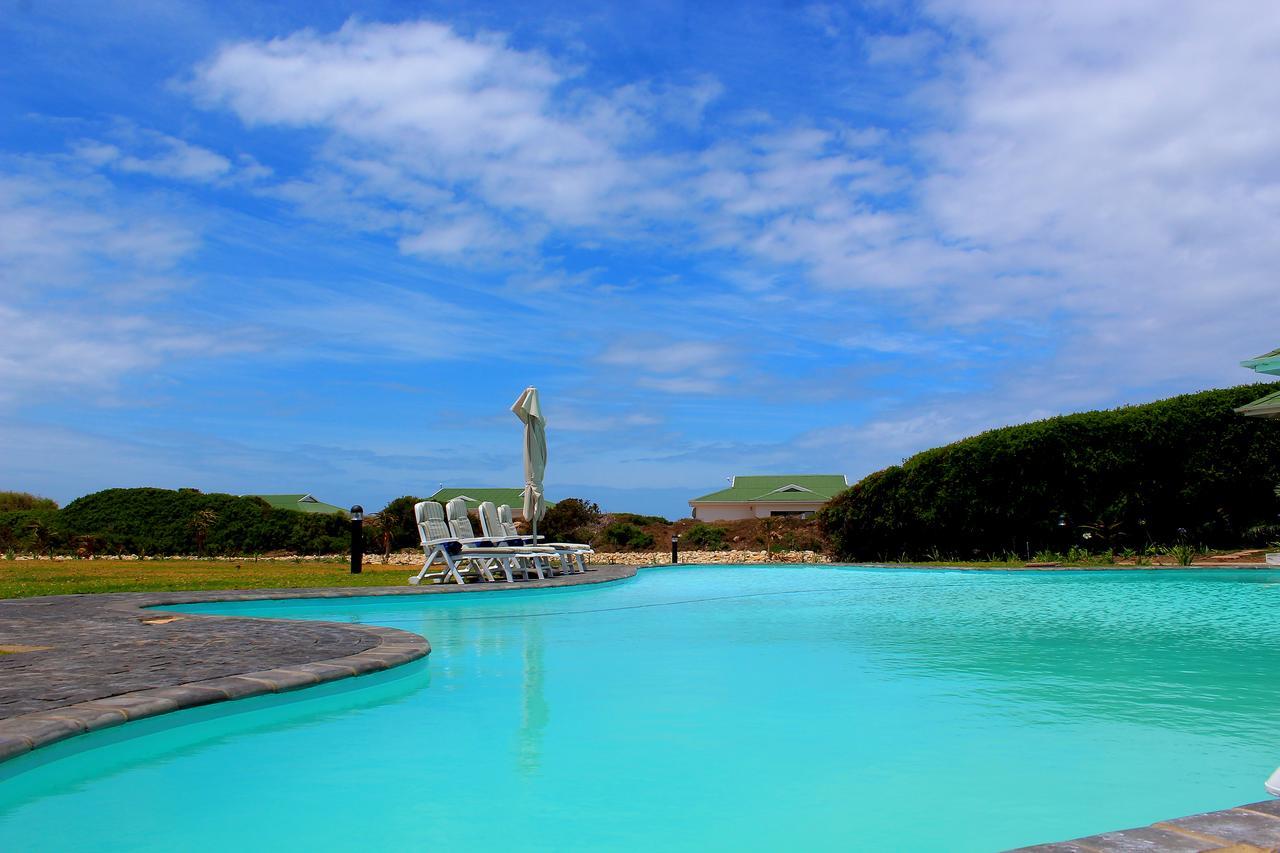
pixel 640 520
pixel 161 522
pixel 31 530
pixel 1262 535
pixel 570 520
pixel 706 537
pixel 624 534
pixel 18 501
pixel 1183 468
pixel 396 518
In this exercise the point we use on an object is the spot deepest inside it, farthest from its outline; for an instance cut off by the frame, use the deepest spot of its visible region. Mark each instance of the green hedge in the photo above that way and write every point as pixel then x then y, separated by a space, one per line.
pixel 161 522
pixel 1187 467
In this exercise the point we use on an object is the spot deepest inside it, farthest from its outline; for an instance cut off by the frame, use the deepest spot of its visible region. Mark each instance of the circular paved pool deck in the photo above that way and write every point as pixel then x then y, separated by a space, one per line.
pixel 95 661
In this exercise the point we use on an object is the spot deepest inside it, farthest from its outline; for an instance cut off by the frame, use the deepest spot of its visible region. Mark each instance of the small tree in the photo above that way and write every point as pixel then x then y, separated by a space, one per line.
pixel 42 537
pixel 381 529
pixel 705 536
pixel 570 520
pixel 202 521
pixel 400 523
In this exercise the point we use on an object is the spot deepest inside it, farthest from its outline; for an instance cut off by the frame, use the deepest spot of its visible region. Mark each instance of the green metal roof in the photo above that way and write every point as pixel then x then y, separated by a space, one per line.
pixel 1267 407
pixel 801 488
pixel 513 498
pixel 301 503
pixel 1269 363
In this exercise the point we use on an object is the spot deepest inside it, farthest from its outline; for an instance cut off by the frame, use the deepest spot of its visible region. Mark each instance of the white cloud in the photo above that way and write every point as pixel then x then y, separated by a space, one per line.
pixel 59 231
pixel 161 156
pixel 511 127
pixel 674 367
pixel 49 353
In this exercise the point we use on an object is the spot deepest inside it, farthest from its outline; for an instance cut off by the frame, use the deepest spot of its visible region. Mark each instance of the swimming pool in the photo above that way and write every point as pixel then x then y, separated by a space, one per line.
pixel 713 708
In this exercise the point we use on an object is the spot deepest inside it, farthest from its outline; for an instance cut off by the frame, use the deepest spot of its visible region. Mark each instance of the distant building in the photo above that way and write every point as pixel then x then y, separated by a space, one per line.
pixel 299 503
pixel 513 498
pixel 796 495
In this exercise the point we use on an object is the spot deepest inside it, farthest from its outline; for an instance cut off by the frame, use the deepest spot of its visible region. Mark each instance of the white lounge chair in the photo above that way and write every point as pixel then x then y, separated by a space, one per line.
pixel 525 556
pixel 438 542
pixel 572 554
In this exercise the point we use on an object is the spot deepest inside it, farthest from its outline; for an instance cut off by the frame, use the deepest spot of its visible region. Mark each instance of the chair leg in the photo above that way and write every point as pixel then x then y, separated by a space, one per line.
pixel 431 558
pixel 453 569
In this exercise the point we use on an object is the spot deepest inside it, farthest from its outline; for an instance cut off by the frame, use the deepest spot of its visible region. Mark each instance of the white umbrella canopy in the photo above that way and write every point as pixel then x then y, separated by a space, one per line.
pixel 529 410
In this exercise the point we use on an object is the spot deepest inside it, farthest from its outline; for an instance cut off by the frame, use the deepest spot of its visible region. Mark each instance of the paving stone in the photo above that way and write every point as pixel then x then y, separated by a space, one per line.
pixel 1147 839
pixel 1239 825
pixel 238 686
pixel 12 746
pixel 1271 807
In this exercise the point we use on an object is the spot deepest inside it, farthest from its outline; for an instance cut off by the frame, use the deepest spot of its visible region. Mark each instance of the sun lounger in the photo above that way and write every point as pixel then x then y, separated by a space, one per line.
pixel 459 558
pixel 495 533
pixel 506 523
pixel 525 556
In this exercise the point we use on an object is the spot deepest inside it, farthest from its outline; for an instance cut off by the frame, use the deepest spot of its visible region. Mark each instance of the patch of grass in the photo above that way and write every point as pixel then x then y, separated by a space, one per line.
pixel 26 578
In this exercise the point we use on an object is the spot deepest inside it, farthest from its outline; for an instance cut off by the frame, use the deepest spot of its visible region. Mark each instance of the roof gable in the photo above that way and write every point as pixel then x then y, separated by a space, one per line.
pixel 802 488
pixel 299 503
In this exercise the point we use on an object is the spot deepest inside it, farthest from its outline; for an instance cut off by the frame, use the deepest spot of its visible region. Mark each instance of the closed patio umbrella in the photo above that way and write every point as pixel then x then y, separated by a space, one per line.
pixel 529 411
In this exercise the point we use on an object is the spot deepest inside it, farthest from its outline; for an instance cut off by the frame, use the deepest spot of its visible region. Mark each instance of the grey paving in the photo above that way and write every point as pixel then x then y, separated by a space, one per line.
pixel 1252 827
pixel 102 660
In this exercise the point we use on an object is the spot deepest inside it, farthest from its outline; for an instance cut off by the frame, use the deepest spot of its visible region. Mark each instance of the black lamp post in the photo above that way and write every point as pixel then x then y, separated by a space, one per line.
pixel 357 539
pixel 675 549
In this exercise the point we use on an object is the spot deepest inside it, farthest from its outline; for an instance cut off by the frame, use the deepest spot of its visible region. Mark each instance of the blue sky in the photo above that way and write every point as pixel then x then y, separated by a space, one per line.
pixel 260 247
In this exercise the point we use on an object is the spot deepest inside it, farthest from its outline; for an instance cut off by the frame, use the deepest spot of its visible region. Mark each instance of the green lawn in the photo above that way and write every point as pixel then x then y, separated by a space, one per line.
pixel 25 578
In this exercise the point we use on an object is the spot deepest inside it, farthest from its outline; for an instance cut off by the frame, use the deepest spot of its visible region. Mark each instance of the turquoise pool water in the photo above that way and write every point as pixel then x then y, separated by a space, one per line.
pixel 713 708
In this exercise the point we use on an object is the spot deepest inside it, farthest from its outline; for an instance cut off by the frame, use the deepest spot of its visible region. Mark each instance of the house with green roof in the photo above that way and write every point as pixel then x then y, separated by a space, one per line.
pixel 1268 406
pixel 795 495
pixel 513 498
pixel 299 503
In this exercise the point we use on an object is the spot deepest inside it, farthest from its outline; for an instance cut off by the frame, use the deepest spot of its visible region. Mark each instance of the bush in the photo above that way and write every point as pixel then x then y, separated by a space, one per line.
pixel 35 530
pixel 162 522
pixel 1262 535
pixel 396 518
pixel 641 520
pixel 623 534
pixel 570 520
pixel 19 501
pixel 705 536
pixel 1140 473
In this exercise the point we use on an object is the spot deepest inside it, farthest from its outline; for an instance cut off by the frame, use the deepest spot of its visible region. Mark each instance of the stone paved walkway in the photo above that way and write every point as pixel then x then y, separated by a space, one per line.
pixel 1248 829
pixel 101 660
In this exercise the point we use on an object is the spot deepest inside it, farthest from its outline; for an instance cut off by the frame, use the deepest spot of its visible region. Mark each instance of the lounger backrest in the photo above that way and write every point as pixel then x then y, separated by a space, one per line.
pixel 490 522
pixel 431 524
pixel 508 526
pixel 456 509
